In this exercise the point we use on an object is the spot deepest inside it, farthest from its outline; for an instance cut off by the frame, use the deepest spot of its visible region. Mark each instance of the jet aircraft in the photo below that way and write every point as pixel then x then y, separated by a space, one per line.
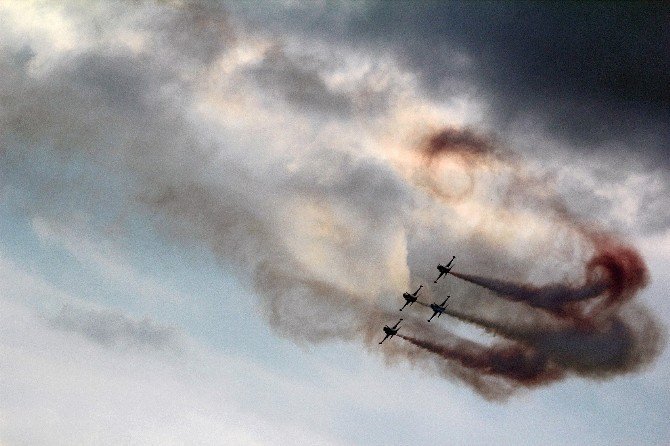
pixel 438 309
pixel 391 331
pixel 444 269
pixel 410 298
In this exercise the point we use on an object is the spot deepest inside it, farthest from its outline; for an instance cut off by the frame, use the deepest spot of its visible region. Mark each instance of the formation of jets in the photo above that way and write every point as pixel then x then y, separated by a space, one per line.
pixel 438 309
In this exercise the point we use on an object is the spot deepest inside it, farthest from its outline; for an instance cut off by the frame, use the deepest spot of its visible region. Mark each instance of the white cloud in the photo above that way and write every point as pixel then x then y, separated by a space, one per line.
pixel 19 285
pixel 59 387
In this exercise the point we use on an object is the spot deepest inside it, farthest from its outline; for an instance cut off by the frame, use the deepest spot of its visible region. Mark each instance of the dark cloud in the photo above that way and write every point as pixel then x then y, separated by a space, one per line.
pixel 299 82
pixel 585 72
pixel 302 81
pixel 369 184
pixel 192 31
pixel 115 80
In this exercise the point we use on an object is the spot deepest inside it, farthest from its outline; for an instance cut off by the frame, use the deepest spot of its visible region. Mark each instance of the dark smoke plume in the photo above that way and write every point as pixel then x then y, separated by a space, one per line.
pixel 521 366
pixel 616 270
pixel 584 328
pixel 552 297
pixel 625 272
pixel 595 347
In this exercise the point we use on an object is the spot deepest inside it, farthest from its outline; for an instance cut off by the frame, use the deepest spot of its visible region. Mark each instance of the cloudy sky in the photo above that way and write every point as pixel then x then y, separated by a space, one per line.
pixel 209 210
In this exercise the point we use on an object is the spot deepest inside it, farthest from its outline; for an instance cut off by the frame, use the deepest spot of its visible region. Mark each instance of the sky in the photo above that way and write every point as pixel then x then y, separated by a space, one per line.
pixel 209 210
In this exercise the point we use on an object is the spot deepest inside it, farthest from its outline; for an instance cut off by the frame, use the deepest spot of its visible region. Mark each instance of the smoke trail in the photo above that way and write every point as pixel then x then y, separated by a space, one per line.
pixel 617 270
pixel 551 297
pixel 621 343
pixel 625 272
pixel 521 366
pixel 463 145
pixel 465 149
pixel 585 329
pixel 324 236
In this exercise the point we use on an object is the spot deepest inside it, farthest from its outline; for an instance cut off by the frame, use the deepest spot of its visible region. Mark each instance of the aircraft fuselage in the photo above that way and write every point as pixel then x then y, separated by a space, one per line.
pixel 436 308
pixel 390 331
pixel 408 297
pixel 443 269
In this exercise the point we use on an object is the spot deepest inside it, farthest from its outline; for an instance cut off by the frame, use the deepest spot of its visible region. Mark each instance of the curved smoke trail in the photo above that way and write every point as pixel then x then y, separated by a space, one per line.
pixel 586 329
pixel 523 366
pixel 323 228
pixel 616 270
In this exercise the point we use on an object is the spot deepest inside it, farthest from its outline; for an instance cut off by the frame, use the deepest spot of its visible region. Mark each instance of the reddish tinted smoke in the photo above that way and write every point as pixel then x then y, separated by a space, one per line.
pixel 519 365
pixel 601 347
pixel 552 297
pixel 616 270
pixel 463 144
pixel 585 331
pixel 622 267
pixel 463 147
